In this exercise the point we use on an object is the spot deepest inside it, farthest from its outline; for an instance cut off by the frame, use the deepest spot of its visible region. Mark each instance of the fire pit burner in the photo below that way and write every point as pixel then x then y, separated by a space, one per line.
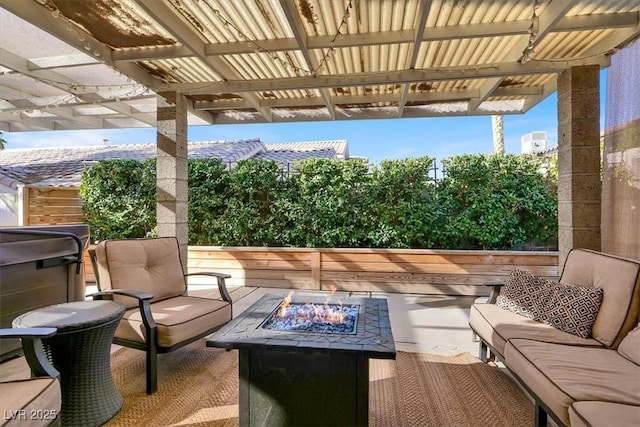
pixel 319 318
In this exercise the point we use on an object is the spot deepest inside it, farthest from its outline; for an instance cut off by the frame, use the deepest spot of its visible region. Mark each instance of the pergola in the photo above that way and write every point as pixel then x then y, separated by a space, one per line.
pixel 68 64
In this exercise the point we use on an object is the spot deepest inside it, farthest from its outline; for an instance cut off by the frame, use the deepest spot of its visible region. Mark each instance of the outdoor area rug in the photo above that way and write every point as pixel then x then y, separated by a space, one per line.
pixel 198 386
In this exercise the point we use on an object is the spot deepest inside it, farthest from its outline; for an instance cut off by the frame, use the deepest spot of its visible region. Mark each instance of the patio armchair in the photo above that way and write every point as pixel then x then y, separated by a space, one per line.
pixel 146 276
pixel 36 401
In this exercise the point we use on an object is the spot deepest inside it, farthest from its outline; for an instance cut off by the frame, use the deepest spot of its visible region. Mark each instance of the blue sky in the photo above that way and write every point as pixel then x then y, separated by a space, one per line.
pixel 375 139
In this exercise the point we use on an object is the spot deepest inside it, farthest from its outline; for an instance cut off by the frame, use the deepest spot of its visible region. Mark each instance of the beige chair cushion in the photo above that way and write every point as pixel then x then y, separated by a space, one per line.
pixel 620 281
pixel 24 396
pixel 604 414
pixel 178 319
pixel 630 346
pixel 496 326
pixel 562 374
pixel 148 265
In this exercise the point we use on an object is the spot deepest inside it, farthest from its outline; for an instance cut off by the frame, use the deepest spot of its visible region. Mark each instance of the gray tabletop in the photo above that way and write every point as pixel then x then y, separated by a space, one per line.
pixel 70 316
pixel 373 339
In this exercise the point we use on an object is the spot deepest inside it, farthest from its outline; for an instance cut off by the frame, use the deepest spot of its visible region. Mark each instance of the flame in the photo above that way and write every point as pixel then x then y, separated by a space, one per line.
pixel 285 304
pixel 315 313
pixel 333 289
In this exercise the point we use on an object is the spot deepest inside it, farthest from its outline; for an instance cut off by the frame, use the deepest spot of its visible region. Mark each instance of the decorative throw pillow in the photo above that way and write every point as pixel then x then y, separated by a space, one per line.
pixel 571 309
pixel 524 294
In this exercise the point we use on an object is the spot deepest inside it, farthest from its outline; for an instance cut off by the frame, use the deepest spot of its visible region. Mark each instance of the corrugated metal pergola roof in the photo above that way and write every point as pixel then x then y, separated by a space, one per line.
pixel 69 64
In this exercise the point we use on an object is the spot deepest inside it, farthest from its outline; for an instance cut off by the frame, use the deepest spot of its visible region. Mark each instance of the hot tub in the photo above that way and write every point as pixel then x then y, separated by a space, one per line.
pixel 39 266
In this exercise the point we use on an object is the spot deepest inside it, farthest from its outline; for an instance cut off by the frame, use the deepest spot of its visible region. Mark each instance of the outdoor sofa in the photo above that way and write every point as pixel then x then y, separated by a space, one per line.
pixel 578 377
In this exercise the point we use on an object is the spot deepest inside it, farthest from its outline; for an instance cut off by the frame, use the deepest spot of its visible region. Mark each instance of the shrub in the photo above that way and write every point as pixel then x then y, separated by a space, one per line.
pixel 328 204
pixel 119 198
pixel 494 202
pixel 251 215
pixel 209 192
pixel 485 201
pixel 401 194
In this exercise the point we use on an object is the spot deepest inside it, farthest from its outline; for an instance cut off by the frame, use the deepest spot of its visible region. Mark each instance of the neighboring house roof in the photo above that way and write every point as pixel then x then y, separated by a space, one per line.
pixel 287 153
pixel 291 156
pixel 7 180
pixel 63 166
pixel 340 148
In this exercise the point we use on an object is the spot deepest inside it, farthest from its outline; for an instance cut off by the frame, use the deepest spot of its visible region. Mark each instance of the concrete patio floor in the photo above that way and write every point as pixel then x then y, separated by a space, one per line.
pixel 435 324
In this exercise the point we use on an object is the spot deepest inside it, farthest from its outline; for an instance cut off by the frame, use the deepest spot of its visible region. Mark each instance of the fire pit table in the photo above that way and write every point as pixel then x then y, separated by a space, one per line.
pixel 311 375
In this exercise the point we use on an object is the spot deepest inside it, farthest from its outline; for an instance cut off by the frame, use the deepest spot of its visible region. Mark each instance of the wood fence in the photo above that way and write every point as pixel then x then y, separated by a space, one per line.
pixel 388 270
pixel 419 271
pixel 51 205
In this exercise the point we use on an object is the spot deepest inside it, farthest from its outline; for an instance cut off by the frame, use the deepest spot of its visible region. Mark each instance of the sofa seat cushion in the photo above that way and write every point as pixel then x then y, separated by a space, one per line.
pixel 495 326
pixel 604 414
pixel 562 374
pixel 177 319
pixel 24 396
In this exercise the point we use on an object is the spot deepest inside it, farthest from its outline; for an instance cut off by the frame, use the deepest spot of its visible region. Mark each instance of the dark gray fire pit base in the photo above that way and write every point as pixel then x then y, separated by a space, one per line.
pixel 305 378
pixel 288 388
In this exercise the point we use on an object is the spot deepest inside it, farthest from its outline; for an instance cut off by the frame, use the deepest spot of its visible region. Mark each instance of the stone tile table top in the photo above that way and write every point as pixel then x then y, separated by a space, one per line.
pixel 373 337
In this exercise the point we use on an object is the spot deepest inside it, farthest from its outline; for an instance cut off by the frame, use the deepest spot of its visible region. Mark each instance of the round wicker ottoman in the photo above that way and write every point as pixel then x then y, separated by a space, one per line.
pixel 80 351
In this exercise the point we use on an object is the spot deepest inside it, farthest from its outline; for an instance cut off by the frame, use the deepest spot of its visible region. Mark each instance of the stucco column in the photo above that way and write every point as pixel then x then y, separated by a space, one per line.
pixel 579 184
pixel 172 170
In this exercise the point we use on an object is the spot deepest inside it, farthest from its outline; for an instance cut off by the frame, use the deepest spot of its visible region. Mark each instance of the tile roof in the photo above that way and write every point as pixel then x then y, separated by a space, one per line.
pixel 292 156
pixel 7 180
pixel 340 147
pixel 64 166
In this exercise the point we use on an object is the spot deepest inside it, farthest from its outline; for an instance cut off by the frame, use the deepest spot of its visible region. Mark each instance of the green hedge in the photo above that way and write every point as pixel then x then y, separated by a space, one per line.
pixel 495 202
pixel 119 198
pixel 484 201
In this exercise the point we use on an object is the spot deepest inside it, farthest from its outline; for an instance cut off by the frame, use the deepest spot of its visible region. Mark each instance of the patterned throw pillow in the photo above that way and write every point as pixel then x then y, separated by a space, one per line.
pixel 571 309
pixel 524 294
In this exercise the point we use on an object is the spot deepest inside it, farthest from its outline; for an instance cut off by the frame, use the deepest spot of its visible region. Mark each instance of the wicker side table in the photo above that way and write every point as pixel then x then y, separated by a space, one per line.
pixel 80 351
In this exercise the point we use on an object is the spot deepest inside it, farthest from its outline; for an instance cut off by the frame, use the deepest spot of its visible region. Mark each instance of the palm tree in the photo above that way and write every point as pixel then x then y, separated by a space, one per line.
pixel 497 125
pixel 2 141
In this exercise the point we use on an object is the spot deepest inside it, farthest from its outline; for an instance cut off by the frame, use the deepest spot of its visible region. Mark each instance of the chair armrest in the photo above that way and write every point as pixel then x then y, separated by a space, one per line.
pixel 32 347
pixel 495 290
pixel 139 295
pixel 210 273
pixel 144 302
pixel 222 286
